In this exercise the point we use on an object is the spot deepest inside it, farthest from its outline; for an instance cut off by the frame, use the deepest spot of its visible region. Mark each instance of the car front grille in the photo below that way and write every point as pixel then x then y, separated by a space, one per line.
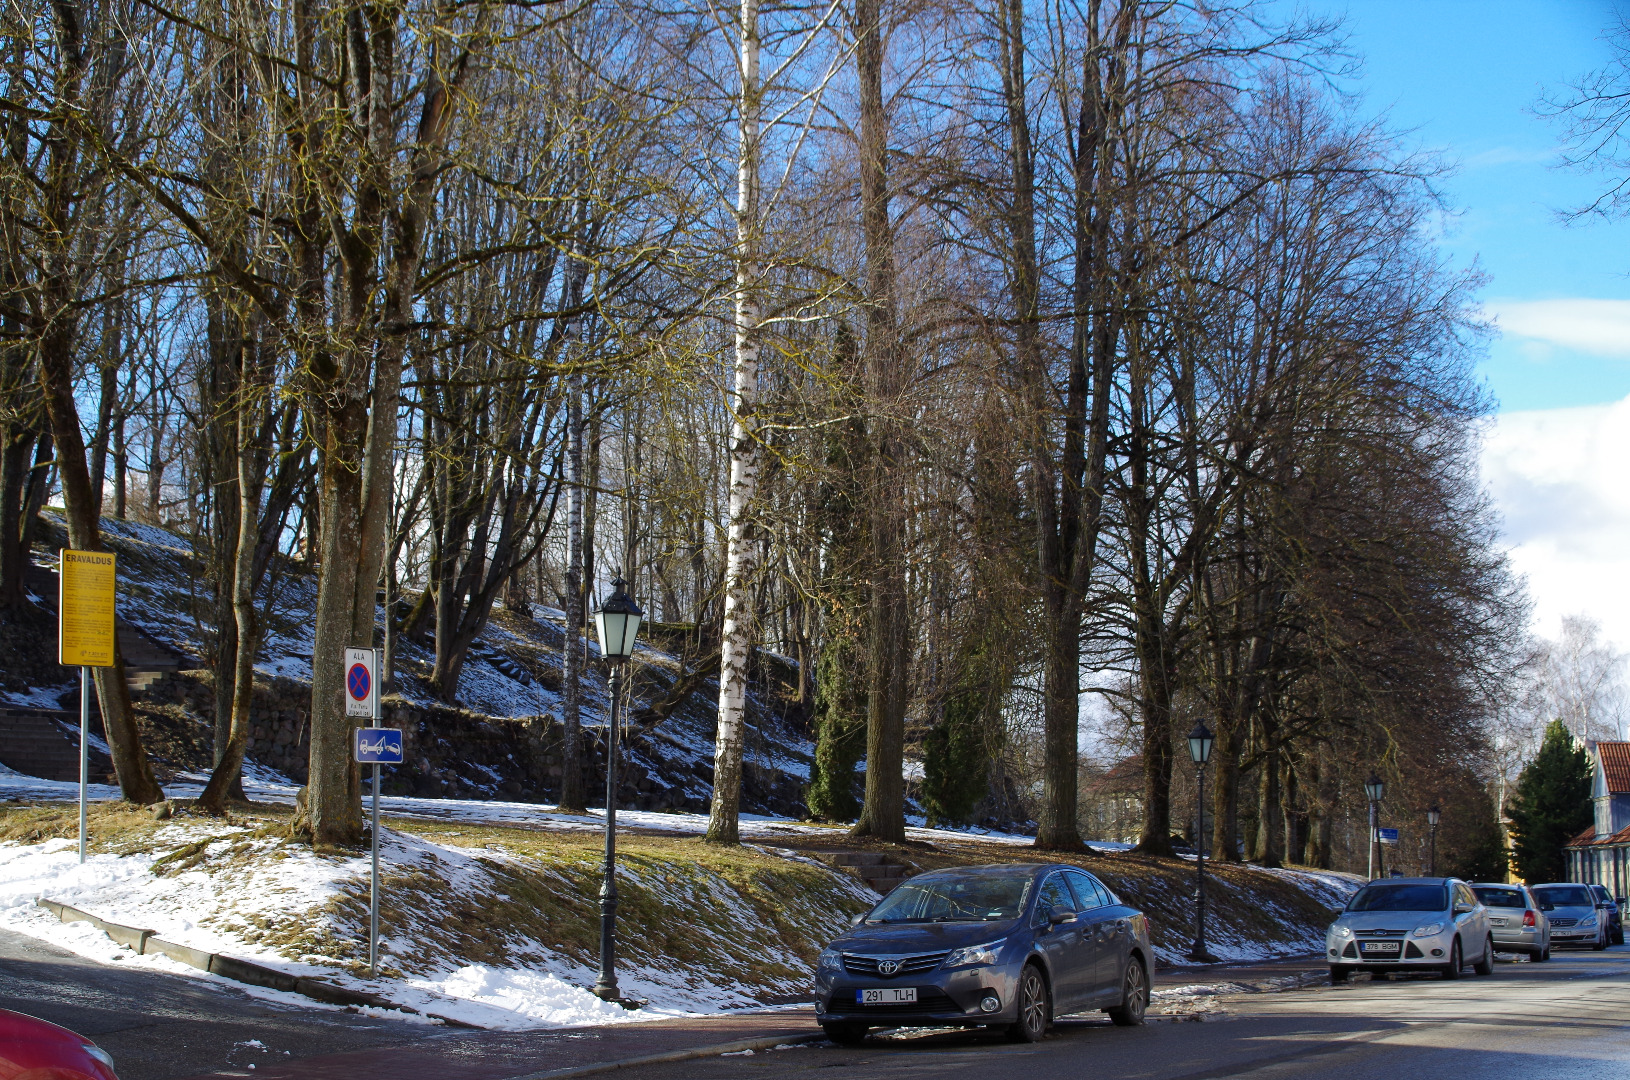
pixel 928 1001
pixel 909 965
pixel 1564 922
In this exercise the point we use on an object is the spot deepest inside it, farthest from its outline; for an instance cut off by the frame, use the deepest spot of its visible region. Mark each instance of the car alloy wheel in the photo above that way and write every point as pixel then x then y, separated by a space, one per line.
pixel 1485 966
pixel 1034 1008
pixel 1134 996
pixel 1451 970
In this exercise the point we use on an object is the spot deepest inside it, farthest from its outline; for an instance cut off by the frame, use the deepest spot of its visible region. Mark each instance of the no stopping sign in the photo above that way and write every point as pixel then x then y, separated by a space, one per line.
pixel 362 682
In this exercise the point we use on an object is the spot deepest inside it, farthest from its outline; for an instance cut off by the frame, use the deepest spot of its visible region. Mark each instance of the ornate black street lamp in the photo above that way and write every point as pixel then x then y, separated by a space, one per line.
pixel 1433 814
pixel 617 622
pixel 1200 751
pixel 1373 790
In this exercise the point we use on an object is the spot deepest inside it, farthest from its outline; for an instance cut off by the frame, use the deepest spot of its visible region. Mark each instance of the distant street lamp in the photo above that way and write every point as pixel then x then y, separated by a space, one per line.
pixel 1433 814
pixel 1373 790
pixel 1200 751
pixel 617 622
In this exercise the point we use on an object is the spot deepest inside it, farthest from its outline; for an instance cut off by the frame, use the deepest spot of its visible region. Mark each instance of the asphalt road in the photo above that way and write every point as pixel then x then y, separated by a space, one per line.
pixel 158 1026
pixel 1565 1020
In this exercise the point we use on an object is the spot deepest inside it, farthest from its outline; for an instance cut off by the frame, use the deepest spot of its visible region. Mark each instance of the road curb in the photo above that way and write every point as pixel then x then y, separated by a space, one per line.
pixel 764 1042
pixel 147 942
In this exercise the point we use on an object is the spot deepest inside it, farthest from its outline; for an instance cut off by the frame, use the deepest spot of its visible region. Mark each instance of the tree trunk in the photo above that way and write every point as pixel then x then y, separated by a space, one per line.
pixel 62 186
pixel 573 799
pixel 226 780
pixel 883 813
pixel 736 640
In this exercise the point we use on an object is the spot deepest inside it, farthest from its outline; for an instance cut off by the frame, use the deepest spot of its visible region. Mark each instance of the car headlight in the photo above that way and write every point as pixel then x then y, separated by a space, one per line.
pixel 829 958
pixel 1588 920
pixel 99 1054
pixel 975 954
pixel 1428 930
pixel 1343 932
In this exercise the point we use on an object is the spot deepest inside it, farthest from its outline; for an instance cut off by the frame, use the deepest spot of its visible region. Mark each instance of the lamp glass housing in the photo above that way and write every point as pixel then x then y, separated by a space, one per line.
pixel 1374 788
pixel 1200 741
pixel 617 623
pixel 1432 815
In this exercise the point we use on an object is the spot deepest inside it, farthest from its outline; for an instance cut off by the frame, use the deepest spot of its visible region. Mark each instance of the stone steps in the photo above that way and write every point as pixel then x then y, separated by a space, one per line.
pixel 146 661
pixel 877 869
pixel 45 743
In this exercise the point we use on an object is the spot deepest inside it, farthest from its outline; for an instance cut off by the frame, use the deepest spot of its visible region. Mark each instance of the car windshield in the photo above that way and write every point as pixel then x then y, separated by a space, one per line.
pixel 955 898
pixel 1501 897
pixel 1566 896
pixel 1399 897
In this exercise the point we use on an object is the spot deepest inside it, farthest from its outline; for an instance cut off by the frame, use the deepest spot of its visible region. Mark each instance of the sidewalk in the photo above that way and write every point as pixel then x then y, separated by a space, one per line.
pixel 563 1052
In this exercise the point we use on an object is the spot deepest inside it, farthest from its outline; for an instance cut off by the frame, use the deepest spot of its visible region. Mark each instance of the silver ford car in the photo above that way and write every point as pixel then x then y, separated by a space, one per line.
pixel 1411 924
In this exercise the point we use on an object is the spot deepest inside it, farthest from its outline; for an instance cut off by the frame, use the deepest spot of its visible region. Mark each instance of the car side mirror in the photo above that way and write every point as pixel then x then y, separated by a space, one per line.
pixel 1059 914
pixel 858 919
pixel 1462 909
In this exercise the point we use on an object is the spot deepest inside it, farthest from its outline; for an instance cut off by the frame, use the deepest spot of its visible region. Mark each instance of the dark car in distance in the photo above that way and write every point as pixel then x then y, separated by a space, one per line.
pixel 1609 907
pixel 1007 946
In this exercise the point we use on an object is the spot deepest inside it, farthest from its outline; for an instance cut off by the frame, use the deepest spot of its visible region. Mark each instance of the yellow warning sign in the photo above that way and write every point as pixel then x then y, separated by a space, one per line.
pixel 85 636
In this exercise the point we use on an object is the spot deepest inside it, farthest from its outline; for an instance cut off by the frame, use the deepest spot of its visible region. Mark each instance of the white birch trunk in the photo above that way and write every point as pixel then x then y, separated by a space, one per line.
pixel 736 642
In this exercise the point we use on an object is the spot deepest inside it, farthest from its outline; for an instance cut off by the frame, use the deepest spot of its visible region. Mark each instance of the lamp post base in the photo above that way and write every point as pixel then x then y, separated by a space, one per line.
pixel 1199 955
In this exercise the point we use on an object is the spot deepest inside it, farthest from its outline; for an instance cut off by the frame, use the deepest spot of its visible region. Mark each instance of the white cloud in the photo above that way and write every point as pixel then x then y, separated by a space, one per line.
pixel 1561 478
pixel 1598 327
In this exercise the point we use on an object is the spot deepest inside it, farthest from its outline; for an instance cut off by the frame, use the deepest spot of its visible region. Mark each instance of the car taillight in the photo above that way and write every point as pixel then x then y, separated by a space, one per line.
pixel 1528 918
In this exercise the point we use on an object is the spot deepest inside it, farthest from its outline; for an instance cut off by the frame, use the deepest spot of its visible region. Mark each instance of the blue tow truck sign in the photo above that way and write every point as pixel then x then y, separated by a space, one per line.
pixel 379 746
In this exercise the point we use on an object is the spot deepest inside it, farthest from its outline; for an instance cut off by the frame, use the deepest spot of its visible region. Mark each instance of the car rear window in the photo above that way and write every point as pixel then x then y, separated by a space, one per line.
pixel 1501 897
pixel 1566 896
pixel 1399 897
pixel 955 898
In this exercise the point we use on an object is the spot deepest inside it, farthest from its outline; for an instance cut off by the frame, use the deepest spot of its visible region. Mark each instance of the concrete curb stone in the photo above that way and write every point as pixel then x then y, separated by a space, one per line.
pixel 147 942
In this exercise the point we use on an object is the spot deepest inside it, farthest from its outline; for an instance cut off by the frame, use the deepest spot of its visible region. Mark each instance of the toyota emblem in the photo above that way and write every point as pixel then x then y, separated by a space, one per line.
pixel 887 967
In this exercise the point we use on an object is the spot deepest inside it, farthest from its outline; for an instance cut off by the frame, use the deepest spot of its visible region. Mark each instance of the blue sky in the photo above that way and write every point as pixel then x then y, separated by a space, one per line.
pixel 1464 78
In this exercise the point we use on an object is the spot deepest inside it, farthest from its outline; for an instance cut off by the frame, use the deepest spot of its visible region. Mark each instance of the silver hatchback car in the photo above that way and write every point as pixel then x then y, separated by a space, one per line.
pixel 1419 924
pixel 1516 918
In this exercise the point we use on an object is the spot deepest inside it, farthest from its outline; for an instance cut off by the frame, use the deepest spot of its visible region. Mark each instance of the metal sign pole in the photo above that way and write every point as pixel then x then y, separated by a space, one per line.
pixel 373 891
pixel 84 752
pixel 373 885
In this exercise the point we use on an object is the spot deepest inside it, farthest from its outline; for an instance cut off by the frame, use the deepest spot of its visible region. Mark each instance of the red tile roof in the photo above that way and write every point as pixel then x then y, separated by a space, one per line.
pixel 1584 839
pixel 1615 757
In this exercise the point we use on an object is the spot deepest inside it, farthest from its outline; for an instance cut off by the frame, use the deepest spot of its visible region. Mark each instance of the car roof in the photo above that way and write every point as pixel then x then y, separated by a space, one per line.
pixel 1412 881
pixel 1005 870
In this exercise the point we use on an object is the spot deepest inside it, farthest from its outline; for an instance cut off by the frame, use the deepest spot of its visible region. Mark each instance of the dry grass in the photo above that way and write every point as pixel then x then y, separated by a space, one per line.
pixel 507 896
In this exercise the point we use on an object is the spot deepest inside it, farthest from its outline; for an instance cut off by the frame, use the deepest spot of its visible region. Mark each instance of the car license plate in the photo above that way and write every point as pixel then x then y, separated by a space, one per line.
pixel 888 995
pixel 1381 946
pixel 1497 922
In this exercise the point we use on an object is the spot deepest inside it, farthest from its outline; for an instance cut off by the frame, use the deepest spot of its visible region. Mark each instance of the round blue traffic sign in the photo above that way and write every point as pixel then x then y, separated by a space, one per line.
pixel 358 682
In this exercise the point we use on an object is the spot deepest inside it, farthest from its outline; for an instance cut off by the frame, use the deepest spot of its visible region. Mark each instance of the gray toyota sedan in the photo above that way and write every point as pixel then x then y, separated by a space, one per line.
pixel 1000 946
